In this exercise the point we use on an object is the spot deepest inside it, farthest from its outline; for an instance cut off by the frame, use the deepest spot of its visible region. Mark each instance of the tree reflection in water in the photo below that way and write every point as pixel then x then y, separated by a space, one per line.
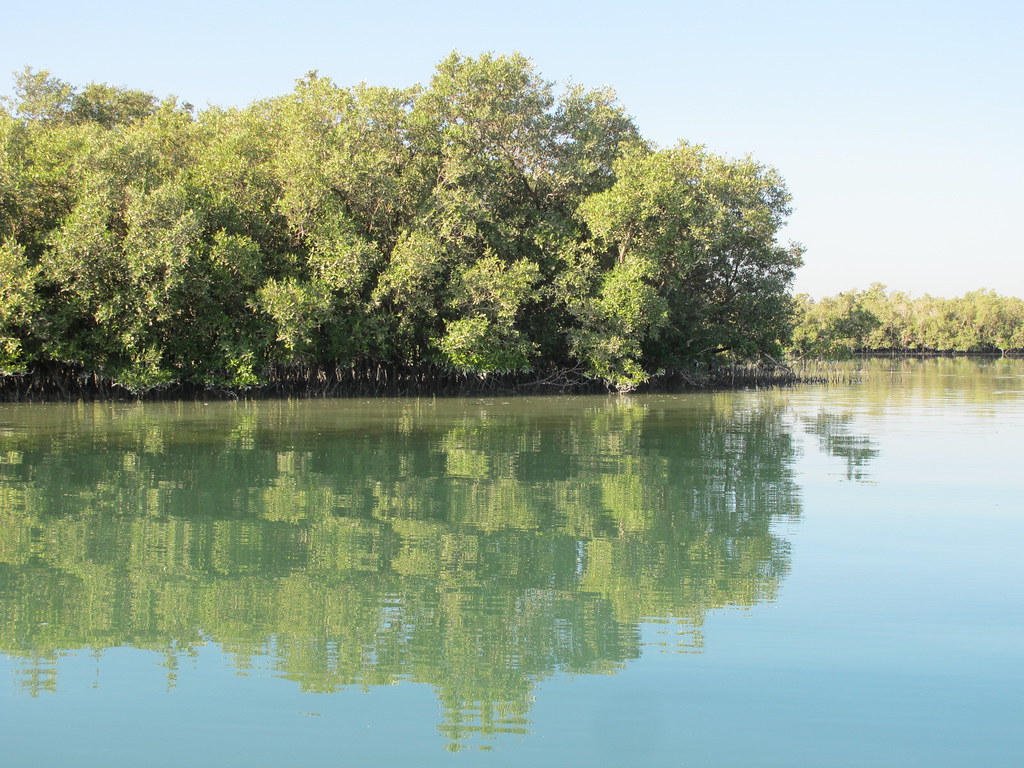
pixel 478 547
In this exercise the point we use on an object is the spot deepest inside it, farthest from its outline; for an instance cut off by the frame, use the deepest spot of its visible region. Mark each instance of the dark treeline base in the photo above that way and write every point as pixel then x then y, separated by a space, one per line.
pixel 63 383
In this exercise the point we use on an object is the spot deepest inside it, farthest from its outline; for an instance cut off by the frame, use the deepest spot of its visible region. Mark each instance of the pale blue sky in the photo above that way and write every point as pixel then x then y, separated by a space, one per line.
pixel 898 125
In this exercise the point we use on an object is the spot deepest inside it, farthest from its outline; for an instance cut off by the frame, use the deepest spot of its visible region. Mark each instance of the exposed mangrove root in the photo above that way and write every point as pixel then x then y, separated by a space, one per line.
pixel 56 383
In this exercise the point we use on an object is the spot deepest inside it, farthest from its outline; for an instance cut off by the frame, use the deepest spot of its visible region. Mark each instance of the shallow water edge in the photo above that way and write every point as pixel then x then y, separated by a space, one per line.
pixel 67 384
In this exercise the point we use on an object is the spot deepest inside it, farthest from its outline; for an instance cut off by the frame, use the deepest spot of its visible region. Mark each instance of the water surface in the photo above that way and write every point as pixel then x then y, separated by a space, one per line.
pixel 816 576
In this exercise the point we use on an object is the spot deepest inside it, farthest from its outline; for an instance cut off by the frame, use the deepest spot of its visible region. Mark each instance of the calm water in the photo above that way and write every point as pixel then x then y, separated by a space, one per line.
pixel 812 577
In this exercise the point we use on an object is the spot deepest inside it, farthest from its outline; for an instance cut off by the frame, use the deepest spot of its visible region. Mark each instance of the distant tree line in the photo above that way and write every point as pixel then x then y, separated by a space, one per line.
pixel 881 320
pixel 481 224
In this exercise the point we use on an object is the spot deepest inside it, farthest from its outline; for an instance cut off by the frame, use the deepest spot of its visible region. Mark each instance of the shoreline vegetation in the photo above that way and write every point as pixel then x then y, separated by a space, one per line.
pixel 483 227
pixel 483 233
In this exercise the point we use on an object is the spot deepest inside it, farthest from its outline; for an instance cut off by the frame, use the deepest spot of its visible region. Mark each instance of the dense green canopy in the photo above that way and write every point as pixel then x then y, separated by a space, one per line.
pixel 482 223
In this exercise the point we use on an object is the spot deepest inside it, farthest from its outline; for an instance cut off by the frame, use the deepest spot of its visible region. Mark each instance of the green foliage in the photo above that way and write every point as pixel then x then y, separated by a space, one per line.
pixel 17 304
pixel 41 96
pixel 490 296
pixel 707 226
pixel 475 344
pixel 481 223
pixel 613 325
pixel 299 310
pixel 834 327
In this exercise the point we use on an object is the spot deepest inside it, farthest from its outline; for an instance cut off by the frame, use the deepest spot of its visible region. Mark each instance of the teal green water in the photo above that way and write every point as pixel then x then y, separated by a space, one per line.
pixel 822 576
